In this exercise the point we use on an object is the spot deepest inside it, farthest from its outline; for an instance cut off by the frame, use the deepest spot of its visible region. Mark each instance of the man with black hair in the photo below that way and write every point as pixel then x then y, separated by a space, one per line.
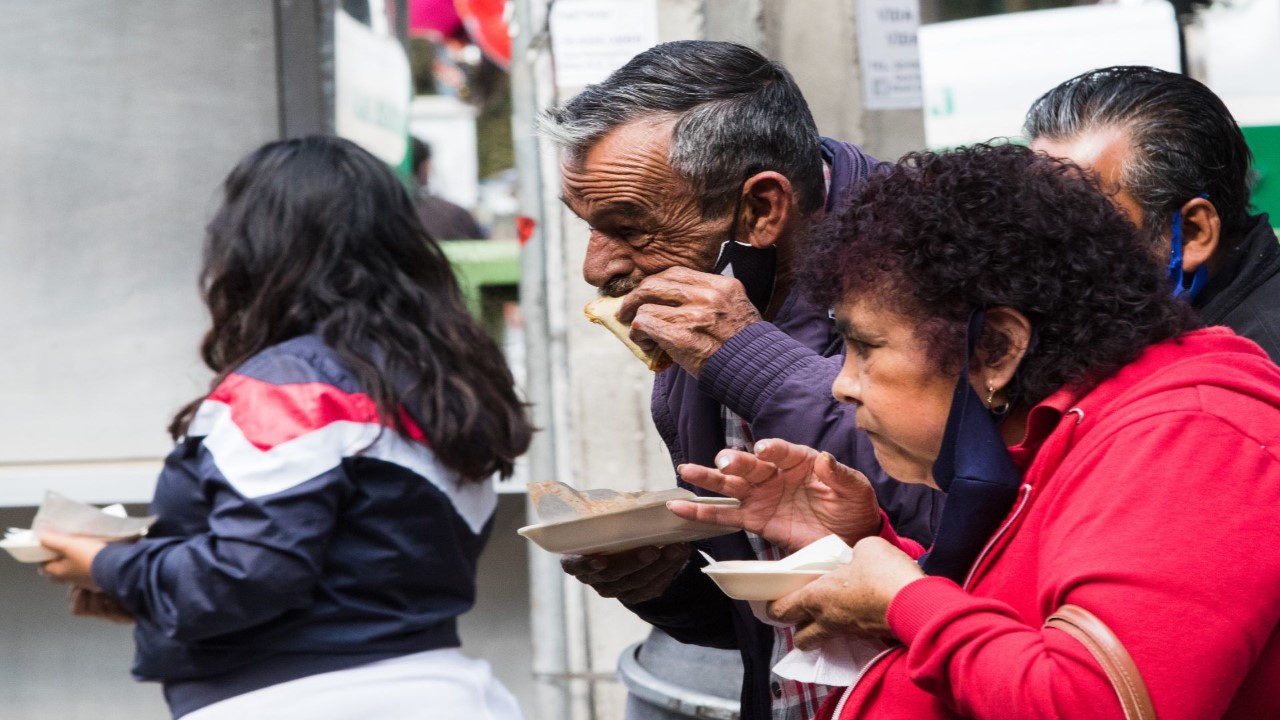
pixel 1173 158
pixel 442 219
pixel 700 170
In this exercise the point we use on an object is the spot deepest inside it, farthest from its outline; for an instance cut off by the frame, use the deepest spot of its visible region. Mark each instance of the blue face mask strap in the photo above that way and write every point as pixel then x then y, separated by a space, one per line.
pixel 1176 275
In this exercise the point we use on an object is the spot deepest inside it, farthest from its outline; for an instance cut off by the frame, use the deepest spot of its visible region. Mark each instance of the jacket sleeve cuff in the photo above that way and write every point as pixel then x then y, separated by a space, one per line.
pixel 109 573
pixel 920 602
pixel 751 366
pixel 906 545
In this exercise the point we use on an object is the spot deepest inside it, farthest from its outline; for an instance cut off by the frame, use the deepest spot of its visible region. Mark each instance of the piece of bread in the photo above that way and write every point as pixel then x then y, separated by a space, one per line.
pixel 604 311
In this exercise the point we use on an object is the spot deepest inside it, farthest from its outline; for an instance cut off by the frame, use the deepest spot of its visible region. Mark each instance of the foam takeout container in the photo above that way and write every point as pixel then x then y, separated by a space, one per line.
pixel 64 515
pixel 766 580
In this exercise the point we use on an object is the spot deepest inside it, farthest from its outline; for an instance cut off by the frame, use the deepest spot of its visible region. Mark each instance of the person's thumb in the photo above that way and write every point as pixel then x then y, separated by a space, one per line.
pixel 841 478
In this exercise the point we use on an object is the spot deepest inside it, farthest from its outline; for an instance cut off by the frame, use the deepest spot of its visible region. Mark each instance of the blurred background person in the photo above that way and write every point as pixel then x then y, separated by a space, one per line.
pixel 322 513
pixel 442 219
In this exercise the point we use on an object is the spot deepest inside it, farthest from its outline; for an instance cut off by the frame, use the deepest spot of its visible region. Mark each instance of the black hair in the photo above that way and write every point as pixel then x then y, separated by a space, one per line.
pixel 419 152
pixel 317 235
pixel 1184 140
pixel 737 114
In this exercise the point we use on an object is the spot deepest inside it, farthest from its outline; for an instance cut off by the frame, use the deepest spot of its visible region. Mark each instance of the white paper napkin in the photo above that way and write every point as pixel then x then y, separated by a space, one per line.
pixel 63 515
pixel 840 660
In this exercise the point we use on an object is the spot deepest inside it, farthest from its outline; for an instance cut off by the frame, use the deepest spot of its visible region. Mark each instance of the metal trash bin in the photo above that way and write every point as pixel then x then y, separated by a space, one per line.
pixel 668 680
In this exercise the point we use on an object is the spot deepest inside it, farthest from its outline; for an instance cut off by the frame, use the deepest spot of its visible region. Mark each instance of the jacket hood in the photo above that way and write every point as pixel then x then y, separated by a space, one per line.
pixel 1225 372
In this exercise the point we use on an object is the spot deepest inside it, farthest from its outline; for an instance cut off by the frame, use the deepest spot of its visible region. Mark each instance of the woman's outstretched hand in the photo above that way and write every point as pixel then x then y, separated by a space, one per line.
pixel 850 600
pixel 790 495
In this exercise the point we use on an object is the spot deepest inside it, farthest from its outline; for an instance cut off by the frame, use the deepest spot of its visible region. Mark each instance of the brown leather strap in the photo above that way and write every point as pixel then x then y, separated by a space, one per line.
pixel 1110 654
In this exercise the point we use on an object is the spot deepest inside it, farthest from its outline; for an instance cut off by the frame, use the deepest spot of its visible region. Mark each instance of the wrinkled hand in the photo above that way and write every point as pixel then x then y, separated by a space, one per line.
pixel 77 558
pixel 851 600
pixel 96 604
pixel 687 313
pixel 791 495
pixel 632 576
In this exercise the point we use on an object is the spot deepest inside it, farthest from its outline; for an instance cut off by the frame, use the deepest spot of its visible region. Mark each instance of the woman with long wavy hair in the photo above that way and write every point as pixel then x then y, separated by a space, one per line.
pixel 322 513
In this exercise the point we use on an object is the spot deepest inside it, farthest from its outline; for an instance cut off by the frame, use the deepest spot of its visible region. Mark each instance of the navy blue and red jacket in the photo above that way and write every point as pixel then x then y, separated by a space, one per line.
pixel 297 534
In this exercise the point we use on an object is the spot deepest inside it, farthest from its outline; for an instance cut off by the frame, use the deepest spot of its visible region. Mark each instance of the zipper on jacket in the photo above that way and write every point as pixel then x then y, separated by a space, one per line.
pixel 1025 492
pixel 835 714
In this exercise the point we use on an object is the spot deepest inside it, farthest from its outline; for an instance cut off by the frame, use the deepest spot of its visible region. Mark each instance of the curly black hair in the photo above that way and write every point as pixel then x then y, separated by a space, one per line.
pixel 943 234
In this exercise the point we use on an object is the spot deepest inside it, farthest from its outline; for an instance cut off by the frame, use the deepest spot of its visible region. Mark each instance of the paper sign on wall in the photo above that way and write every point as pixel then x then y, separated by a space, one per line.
pixel 888 56
pixel 592 38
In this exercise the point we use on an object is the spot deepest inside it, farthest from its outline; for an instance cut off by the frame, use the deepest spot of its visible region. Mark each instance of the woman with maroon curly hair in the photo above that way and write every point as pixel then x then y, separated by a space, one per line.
pixel 1010 341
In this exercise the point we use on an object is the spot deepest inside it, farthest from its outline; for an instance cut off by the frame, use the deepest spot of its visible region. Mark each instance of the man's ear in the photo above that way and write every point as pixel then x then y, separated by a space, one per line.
pixel 768 208
pixel 1201 230
pixel 993 374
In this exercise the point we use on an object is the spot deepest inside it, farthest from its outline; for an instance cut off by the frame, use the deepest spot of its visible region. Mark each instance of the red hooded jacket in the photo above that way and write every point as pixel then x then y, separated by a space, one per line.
pixel 1152 501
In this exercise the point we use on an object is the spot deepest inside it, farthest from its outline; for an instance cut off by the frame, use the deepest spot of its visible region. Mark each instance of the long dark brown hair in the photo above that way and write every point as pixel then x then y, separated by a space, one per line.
pixel 315 235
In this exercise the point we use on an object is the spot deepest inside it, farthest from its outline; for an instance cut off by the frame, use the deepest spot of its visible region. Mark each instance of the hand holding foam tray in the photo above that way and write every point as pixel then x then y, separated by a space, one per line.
pixel 63 515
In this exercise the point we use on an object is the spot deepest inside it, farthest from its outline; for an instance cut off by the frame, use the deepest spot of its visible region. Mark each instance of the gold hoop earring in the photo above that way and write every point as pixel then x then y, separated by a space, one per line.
pixel 999 411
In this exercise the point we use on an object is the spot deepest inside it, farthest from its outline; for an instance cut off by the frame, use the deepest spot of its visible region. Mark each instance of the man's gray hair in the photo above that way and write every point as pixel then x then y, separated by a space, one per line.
pixel 1183 139
pixel 736 114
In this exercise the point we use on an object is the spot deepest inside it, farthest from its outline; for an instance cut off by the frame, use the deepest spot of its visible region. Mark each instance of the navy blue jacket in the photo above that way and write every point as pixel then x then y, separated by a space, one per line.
pixel 296 535
pixel 777 376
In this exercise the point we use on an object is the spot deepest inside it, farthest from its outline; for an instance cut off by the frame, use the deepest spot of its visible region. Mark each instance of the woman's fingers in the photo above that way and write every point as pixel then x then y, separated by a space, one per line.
pixel 705 513
pixel 782 454
pixel 750 468
pixel 790 609
pixel 839 477
pixel 57 570
pixel 714 480
pixel 810 636
pixel 79 600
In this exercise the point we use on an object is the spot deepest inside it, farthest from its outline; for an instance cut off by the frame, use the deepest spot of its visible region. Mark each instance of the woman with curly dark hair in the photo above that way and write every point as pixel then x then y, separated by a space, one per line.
pixel 1010 341
pixel 322 513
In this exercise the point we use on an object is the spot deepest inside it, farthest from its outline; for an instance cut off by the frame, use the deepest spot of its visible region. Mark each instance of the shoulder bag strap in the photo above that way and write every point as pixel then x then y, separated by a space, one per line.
pixel 1110 654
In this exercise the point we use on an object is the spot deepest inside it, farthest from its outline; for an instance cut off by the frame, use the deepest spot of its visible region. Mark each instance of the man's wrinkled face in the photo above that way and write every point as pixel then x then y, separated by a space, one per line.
pixel 643 218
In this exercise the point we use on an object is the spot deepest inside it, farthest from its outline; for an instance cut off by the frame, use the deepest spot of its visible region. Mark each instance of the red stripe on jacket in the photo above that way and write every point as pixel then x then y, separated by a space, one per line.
pixel 270 415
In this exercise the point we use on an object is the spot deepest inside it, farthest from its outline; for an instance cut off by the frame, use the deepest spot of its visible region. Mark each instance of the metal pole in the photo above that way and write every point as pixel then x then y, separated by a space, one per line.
pixel 530 72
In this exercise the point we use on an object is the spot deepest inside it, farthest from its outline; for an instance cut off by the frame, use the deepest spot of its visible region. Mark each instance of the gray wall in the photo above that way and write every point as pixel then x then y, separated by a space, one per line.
pixel 118 121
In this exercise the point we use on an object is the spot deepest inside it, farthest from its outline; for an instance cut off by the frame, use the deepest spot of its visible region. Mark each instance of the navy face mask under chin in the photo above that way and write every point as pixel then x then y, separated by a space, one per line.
pixel 1176 274
pixel 756 268
pixel 976 471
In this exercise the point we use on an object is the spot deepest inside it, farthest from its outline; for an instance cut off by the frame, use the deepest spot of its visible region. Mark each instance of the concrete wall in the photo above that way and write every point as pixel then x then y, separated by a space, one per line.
pixel 830 77
pixel 119 120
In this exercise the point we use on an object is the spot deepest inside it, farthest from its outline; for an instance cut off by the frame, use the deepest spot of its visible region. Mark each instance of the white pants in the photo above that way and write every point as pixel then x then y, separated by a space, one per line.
pixel 432 685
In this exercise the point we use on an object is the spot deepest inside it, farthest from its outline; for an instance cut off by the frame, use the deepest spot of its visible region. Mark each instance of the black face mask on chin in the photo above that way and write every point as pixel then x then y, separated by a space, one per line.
pixel 976 471
pixel 754 267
